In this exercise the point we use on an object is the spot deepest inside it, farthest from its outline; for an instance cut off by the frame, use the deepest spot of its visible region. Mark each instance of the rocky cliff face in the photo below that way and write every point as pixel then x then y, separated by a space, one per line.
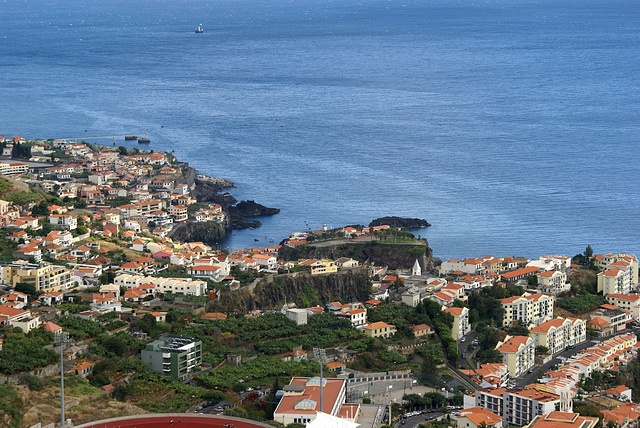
pixel 198 232
pixel 304 290
pixel 395 256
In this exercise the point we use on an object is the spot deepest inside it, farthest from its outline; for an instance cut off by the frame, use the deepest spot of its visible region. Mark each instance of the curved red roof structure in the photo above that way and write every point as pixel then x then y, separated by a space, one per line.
pixel 175 420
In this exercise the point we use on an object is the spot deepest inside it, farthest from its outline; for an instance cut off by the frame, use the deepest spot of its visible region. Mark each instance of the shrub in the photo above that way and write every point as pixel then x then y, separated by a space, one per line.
pixel 34 383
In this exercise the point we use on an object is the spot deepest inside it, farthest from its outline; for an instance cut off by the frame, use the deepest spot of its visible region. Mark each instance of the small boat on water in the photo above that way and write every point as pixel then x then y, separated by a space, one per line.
pixel 144 140
pixel 130 137
pixel 199 29
pixel 256 239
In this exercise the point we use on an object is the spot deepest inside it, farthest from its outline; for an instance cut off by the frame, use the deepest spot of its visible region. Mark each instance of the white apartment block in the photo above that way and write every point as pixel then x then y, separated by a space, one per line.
pixel 64 220
pixel 553 282
pixel 520 407
pixel 529 309
pixel 615 281
pixel 470 266
pixel 559 333
pixel 606 261
pixel 461 324
pixel 518 352
pixel 185 286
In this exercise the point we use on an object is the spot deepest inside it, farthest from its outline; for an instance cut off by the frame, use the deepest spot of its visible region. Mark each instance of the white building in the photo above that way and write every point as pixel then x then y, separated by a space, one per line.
pixel 518 352
pixel 461 324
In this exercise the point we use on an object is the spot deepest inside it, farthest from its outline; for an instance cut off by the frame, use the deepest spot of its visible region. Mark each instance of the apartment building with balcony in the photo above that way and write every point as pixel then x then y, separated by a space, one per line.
pixel 518 352
pixel 529 309
pixel 559 333
pixel 47 278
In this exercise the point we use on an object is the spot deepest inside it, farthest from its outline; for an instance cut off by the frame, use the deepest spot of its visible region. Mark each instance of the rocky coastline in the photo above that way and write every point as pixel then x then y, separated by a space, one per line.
pixel 213 190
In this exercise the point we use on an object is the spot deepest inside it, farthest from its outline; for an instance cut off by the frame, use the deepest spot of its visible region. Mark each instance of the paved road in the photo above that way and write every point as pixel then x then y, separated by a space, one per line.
pixel 462 349
pixel 414 421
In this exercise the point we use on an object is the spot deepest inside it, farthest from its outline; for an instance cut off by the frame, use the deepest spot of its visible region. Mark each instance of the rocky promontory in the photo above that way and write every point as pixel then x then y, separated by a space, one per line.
pixel 252 209
pixel 407 223
pixel 207 190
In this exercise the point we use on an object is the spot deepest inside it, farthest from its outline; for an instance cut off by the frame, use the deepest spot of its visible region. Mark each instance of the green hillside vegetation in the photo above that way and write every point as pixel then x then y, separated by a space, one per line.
pixel 17 192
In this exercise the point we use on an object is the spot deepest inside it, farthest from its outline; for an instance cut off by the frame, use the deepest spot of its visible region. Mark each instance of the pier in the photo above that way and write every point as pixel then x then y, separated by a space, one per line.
pixel 146 136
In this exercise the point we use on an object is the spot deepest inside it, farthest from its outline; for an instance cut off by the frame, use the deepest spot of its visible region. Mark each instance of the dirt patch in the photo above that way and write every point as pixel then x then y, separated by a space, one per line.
pixel 82 405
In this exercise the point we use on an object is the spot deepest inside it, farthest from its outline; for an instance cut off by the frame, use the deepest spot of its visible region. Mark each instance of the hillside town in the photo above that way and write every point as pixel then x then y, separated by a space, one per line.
pixel 94 283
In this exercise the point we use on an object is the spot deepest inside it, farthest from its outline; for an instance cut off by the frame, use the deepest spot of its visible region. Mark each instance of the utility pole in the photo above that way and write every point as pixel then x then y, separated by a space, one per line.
pixel 388 393
pixel 321 356
pixel 61 339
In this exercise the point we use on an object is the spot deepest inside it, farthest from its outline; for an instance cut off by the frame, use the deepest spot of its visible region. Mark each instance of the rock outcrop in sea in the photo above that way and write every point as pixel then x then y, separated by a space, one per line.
pixel 407 223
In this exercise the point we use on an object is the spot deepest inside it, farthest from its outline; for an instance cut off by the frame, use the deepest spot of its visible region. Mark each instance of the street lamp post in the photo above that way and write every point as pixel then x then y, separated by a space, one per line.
pixel 61 339
pixel 321 356
pixel 389 394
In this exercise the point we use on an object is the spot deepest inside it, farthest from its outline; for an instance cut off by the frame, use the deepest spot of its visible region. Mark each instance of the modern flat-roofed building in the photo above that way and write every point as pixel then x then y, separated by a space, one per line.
pixel 174 356
pixel 45 277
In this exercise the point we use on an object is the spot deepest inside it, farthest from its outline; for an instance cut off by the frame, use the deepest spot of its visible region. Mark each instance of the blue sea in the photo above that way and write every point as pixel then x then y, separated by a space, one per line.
pixel 513 126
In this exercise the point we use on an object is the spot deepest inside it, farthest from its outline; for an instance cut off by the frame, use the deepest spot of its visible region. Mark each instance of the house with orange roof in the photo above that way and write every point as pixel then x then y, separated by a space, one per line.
pixel 608 320
pixel 83 369
pixel 28 251
pixel 51 327
pixel 336 366
pixel 625 416
pixel 17 299
pixel 421 330
pixel 518 352
pixel 519 274
pixel 51 298
pixel 476 417
pixel 357 317
pixel 379 329
pixel 443 298
pixel 461 325
pixel 13 317
pixel 620 392
pixel 559 333
pixel 490 375
pixel 563 420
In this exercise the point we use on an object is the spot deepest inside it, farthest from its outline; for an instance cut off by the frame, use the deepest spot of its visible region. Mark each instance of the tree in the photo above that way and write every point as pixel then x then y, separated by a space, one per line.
pixel 518 330
pixel 34 383
pixel 41 209
pixel 532 281
pixel 27 288
pixel 542 349
pixel 588 252
pixel 490 356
